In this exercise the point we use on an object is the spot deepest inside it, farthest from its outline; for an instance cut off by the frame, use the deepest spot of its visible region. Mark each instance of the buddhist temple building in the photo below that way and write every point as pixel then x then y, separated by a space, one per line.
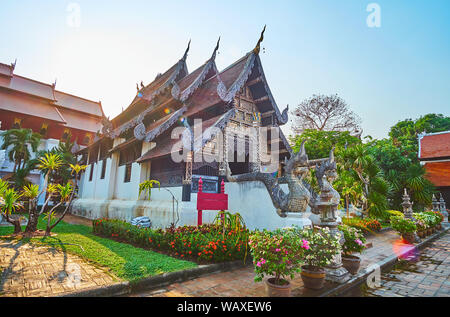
pixel 434 154
pixel 56 115
pixel 216 109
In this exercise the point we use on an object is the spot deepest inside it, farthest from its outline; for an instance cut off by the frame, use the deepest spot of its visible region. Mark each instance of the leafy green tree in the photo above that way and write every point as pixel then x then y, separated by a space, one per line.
pixel 321 142
pixel 17 142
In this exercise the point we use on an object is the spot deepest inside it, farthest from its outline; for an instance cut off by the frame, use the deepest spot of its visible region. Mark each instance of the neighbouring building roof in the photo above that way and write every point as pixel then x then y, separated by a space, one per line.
pixel 27 96
pixel 438 173
pixel 434 145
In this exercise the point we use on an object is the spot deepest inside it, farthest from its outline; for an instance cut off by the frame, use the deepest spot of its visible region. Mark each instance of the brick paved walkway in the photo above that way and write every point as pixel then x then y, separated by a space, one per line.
pixel 240 282
pixel 428 275
pixel 30 270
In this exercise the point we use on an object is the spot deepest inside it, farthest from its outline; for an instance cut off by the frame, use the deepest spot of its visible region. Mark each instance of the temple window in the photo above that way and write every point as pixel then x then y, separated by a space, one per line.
pixel 127 177
pixel 91 172
pixel 93 155
pixel 130 153
pixel 102 175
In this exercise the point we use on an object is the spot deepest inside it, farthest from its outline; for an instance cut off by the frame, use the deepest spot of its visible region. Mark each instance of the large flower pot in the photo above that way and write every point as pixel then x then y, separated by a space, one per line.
pixel 313 278
pixel 275 290
pixel 351 263
pixel 429 231
pixel 408 237
pixel 421 234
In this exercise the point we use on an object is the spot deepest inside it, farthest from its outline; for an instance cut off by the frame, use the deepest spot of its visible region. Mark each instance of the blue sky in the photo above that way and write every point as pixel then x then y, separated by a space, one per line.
pixel 400 70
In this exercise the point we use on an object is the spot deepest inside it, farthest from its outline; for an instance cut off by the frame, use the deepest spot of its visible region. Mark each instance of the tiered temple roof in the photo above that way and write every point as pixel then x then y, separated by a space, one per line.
pixel 204 93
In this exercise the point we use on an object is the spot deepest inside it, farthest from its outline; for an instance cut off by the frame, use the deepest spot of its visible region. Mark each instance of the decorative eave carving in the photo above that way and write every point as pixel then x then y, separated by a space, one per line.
pixel 207 135
pixel 281 118
pixel 242 78
pixel 151 135
pixel 169 84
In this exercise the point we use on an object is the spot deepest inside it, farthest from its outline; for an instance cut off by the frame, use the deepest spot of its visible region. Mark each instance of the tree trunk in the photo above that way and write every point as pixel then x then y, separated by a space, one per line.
pixel 32 221
pixel 16 223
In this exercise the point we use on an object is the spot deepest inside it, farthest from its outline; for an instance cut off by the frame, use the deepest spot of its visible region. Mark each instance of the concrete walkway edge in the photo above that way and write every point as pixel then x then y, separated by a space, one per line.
pixel 385 263
pixel 157 281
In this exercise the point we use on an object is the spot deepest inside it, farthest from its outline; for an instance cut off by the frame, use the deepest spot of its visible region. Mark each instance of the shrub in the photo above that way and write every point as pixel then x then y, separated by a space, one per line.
pixel 435 217
pixel 354 240
pixel 403 225
pixel 395 213
pixel 277 253
pixel 366 225
pixel 207 243
pixel 322 247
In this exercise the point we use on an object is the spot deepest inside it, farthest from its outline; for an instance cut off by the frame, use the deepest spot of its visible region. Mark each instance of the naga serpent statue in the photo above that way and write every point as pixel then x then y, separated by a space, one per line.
pixel 301 193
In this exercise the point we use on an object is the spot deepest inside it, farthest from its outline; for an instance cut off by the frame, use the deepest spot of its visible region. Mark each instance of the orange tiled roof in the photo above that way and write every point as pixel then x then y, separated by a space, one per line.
pixel 27 96
pixel 435 145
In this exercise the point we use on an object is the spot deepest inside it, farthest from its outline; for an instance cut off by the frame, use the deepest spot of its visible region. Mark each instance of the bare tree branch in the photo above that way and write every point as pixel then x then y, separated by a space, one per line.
pixel 328 113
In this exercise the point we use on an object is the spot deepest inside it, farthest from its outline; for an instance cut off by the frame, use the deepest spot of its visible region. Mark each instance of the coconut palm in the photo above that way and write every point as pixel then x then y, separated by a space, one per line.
pixel 17 142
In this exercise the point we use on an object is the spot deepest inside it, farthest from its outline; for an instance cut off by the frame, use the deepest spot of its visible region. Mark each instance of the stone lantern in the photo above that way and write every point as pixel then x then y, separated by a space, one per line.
pixel 328 206
pixel 435 203
pixel 407 206
pixel 442 207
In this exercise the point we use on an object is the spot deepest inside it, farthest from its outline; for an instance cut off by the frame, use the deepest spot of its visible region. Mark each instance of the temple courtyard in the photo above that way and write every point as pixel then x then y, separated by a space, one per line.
pixel 35 269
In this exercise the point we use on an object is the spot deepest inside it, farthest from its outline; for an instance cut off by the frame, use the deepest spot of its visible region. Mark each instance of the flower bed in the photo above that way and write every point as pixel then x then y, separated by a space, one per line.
pixel 204 244
pixel 366 225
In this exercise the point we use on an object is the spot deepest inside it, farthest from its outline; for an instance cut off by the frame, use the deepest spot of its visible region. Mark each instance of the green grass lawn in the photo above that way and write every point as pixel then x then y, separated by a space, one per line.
pixel 124 260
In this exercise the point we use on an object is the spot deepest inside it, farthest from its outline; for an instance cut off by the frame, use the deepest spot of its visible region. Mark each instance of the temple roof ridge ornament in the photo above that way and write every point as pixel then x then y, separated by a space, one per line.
pixel 187 50
pixel 199 80
pixel 258 45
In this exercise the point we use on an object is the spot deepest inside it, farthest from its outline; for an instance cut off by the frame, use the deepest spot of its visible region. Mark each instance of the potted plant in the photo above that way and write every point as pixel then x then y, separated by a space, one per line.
pixel 322 247
pixel 406 227
pixel 421 224
pixel 277 254
pixel 353 242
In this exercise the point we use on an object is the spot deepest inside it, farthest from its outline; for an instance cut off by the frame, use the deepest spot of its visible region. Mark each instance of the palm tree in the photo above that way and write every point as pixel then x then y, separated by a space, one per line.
pixel 10 203
pixel 66 194
pixel 18 142
pixel 31 192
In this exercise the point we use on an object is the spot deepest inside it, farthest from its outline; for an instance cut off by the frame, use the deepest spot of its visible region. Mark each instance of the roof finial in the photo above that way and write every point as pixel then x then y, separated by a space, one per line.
pixel 261 38
pixel 187 50
pixel 215 49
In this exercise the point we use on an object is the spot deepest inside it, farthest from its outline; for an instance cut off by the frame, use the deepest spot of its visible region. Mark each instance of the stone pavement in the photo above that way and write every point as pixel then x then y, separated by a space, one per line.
pixel 240 282
pixel 426 275
pixel 30 270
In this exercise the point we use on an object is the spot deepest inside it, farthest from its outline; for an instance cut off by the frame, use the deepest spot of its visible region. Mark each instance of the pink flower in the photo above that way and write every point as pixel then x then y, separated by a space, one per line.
pixel 277 250
pixel 359 242
pixel 258 264
pixel 263 261
pixel 305 244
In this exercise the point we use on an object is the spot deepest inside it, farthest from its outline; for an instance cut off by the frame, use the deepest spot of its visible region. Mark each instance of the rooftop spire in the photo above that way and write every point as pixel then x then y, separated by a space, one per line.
pixel 261 38
pixel 187 50
pixel 215 49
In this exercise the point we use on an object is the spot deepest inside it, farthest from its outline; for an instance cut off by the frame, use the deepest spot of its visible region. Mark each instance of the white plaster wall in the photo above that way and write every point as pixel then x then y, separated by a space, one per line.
pixel 250 199
pixel 130 190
